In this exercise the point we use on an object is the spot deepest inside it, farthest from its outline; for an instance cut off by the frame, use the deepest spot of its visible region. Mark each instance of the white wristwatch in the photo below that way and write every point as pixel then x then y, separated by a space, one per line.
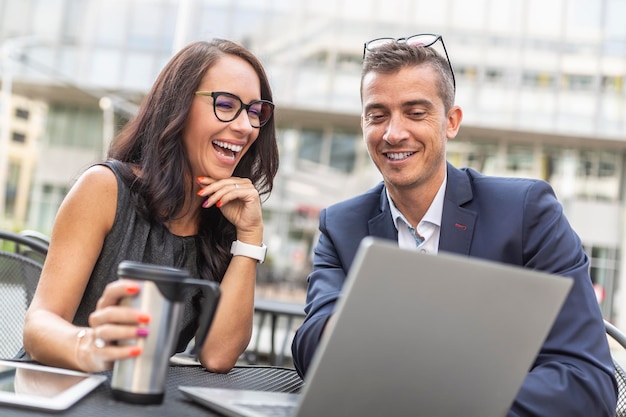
pixel 251 251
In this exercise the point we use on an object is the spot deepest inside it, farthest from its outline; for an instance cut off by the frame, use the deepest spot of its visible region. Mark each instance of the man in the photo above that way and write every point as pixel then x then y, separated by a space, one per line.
pixel 407 94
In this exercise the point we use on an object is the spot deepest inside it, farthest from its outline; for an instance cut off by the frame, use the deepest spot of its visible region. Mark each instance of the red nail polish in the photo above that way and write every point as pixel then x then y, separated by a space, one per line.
pixel 132 289
pixel 219 204
pixel 143 318
pixel 200 191
pixel 200 179
pixel 135 352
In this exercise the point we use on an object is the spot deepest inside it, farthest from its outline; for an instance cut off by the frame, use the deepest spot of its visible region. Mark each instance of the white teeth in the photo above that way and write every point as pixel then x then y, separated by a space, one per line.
pixel 229 146
pixel 399 155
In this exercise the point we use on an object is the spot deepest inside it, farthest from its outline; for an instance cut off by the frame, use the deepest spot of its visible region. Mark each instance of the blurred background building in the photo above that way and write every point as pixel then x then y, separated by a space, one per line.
pixel 541 83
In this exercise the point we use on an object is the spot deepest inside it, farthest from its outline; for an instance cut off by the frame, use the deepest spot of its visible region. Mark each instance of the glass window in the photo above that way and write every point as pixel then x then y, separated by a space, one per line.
pixel 343 151
pixel 504 16
pixel 18 137
pixel 146 25
pixel 88 129
pixel 544 18
pixel 3 13
pixel 428 13
pixel 537 108
pixel 47 18
pixel 345 91
pixel 282 6
pixel 579 82
pixel 480 156
pixel 469 14
pixel 317 8
pixel 21 113
pixel 310 87
pixel 68 61
pixel 218 18
pixel 45 204
pixel 494 75
pixel 311 144
pixel 72 19
pixel 106 66
pixel 57 121
pixel 611 117
pixel 613 84
pixel 615 29
pixel 604 271
pixel 169 26
pixel 15 19
pixel 538 79
pixel 362 10
pixel 111 21
pixel 519 159
pixel 221 3
pixel 401 11
pixel 139 71
pixel 577 111
pixel 74 126
pixel 586 167
pixel 608 164
pixel 583 21
pixel 246 24
pixel 614 19
pixel 598 175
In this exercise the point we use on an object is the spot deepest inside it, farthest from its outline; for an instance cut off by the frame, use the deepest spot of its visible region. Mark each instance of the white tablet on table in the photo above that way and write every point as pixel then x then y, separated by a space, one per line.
pixel 42 387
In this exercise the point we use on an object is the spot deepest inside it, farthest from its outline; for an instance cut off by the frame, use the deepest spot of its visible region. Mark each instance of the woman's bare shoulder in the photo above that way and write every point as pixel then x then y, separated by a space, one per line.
pixel 93 196
pixel 98 175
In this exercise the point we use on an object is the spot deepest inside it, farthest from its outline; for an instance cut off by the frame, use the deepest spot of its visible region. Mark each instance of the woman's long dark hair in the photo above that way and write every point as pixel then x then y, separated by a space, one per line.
pixel 152 143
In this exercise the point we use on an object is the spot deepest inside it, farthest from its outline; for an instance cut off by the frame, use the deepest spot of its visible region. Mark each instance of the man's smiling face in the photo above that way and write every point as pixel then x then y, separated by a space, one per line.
pixel 405 126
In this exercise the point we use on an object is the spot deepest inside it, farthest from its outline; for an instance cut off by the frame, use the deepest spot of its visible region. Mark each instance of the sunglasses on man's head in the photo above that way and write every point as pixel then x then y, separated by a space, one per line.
pixel 424 39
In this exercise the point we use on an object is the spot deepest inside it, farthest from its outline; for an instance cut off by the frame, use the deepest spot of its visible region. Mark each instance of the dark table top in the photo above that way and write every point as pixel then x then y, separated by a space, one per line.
pixel 101 403
pixel 278 307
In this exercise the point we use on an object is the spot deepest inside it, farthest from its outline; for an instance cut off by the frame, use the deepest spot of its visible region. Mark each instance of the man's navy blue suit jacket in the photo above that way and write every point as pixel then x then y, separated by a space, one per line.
pixel 509 220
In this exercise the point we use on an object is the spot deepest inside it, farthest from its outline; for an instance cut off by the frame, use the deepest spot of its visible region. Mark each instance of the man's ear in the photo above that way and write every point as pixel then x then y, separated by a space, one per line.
pixel 455 116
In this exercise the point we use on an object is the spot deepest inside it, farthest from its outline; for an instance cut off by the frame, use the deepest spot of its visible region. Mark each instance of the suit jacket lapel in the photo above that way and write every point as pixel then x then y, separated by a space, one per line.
pixel 382 225
pixel 457 223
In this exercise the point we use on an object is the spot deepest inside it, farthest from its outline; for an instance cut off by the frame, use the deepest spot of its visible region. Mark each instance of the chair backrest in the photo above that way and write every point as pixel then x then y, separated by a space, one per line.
pixel 37 236
pixel 619 339
pixel 21 261
pixel 28 245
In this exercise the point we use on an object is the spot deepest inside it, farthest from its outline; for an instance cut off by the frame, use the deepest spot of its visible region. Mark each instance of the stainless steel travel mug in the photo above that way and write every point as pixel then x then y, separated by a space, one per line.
pixel 162 290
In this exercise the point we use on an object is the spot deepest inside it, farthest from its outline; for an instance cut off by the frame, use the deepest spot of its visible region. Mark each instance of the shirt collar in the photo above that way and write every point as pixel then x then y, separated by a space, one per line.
pixel 433 214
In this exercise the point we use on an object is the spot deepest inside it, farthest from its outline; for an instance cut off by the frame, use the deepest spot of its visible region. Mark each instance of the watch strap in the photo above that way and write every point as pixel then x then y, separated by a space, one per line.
pixel 238 248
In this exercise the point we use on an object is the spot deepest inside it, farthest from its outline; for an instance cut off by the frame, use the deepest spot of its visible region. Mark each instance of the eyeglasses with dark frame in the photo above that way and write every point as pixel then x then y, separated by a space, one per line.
pixel 422 39
pixel 228 106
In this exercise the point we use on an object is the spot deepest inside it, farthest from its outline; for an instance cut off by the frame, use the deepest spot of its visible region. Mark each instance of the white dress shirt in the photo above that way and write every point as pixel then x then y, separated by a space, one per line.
pixel 428 228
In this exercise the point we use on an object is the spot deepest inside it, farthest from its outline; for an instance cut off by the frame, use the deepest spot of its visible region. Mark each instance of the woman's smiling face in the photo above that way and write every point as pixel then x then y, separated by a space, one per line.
pixel 215 147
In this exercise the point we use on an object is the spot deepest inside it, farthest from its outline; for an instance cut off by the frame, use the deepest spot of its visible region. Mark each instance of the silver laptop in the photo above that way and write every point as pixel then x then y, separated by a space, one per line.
pixel 418 335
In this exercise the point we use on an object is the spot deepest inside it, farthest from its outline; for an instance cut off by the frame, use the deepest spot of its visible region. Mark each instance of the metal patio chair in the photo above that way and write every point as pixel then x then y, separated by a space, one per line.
pixel 620 338
pixel 21 261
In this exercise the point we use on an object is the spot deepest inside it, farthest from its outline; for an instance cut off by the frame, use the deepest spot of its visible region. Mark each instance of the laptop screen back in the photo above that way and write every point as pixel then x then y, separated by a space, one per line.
pixel 427 335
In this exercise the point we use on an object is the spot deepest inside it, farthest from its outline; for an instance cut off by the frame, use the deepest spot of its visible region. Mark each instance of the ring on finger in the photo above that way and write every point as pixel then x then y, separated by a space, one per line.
pixel 99 343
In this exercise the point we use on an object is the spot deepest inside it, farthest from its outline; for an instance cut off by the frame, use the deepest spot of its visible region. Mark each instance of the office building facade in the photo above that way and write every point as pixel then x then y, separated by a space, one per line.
pixel 541 83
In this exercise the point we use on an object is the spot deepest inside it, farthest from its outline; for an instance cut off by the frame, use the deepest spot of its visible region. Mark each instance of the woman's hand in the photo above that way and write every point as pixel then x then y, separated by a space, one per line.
pixel 99 345
pixel 239 202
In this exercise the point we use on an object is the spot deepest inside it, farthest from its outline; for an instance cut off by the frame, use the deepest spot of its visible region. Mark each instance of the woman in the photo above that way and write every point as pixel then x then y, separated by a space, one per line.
pixel 183 180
